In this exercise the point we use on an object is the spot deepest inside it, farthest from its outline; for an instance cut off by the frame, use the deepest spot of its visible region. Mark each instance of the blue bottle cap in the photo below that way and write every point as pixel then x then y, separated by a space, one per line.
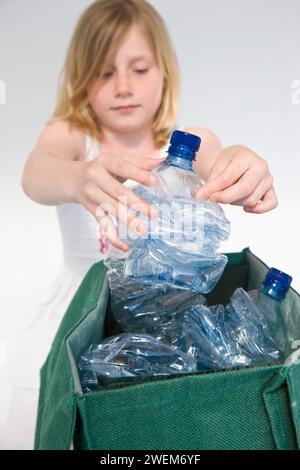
pixel 277 282
pixel 184 145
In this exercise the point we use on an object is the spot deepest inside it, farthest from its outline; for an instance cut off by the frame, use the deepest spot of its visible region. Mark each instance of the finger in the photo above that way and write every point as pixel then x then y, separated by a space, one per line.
pixel 109 206
pixel 109 230
pixel 257 195
pixel 243 189
pixel 125 196
pixel 119 244
pixel 227 178
pixel 269 201
pixel 234 154
pixel 147 164
pixel 144 163
pixel 125 169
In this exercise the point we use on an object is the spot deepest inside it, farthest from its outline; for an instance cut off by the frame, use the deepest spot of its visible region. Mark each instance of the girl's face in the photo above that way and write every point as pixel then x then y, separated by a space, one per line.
pixel 127 96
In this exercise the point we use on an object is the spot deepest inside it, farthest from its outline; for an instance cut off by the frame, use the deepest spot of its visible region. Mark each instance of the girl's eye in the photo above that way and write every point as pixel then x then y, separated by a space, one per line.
pixel 107 75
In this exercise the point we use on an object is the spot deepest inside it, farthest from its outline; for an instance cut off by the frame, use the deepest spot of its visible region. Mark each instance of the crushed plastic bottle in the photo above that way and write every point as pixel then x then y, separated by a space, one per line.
pixel 204 336
pixel 180 247
pixel 128 355
pixel 265 304
pixel 250 330
pixel 156 310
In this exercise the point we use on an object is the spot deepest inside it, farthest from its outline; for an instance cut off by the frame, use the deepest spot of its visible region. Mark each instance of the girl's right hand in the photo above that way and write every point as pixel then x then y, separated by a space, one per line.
pixel 100 190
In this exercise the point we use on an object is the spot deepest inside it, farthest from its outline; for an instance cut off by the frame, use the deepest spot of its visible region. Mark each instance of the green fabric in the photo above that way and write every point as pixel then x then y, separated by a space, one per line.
pixel 250 408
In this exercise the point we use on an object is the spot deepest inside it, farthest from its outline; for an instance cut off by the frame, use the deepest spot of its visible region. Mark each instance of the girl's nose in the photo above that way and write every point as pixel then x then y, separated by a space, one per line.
pixel 123 86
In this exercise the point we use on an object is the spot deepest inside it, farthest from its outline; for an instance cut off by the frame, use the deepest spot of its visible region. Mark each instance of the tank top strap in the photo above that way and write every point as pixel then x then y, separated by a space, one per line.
pixel 92 148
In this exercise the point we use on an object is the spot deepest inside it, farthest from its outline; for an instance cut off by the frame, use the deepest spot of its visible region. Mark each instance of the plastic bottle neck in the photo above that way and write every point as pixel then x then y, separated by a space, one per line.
pixel 180 162
pixel 272 293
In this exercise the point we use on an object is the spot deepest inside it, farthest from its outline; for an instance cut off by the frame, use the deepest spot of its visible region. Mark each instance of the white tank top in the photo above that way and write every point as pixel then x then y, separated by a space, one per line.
pixel 79 229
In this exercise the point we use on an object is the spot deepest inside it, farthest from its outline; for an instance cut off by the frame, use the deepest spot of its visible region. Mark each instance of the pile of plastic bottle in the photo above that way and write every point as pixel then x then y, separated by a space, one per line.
pixel 157 291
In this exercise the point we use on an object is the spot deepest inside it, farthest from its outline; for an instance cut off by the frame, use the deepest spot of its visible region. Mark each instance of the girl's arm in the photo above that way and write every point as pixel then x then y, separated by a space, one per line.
pixel 54 174
pixel 52 168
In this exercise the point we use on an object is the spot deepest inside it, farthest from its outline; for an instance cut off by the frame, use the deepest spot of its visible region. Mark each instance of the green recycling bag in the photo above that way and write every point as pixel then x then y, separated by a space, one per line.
pixel 246 408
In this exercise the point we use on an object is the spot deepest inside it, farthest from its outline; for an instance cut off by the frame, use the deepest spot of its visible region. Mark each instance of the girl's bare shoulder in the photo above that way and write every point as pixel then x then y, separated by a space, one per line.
pixel 63 141
pixel 207 136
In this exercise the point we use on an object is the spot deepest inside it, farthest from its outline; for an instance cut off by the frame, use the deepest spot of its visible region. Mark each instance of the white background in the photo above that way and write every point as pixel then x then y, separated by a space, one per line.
pixel 238 58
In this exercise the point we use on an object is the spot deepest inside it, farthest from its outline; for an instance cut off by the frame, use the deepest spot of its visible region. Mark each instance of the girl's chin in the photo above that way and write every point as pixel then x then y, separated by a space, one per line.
pixel 127 127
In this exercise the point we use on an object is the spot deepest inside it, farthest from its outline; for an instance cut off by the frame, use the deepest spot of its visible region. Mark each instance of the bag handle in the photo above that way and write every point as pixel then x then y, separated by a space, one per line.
pixel 278 403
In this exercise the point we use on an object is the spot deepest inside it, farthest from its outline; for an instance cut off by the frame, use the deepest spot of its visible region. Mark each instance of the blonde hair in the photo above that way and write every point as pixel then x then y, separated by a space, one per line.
pixel 97 36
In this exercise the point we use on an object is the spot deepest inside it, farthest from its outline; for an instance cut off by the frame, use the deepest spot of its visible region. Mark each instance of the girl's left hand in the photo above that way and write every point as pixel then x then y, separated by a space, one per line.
pixel 240 177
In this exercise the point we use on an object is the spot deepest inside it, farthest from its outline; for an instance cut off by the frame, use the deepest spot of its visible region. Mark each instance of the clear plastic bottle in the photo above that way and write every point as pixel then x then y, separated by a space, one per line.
pixel 138 308
pixel 180 248
pixel 175 175
pixel 131 355
pixel 265 304
pixel 251 329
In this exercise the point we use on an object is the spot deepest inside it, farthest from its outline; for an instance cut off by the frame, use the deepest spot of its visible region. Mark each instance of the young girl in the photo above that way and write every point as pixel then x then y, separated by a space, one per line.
pixel 115 114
